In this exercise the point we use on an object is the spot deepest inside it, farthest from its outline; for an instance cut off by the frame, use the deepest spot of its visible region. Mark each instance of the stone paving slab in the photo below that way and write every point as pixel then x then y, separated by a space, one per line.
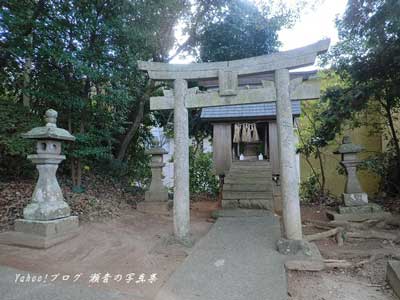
pixel 393 276
pixel 9 290
pixel 236 260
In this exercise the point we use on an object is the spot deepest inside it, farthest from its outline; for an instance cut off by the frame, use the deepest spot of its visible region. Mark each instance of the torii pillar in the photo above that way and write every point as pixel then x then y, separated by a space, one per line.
pixel 181 163
pixel 287 155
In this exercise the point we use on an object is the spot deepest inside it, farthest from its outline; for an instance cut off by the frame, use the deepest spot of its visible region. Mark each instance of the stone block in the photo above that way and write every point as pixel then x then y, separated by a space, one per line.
pixel 230 203
pixel 47 228
pixel 368 208
pixel 355 199
pixel 393 276
pixel 311 265
pixel 257 204
pixel 357 217
pixel 297 247
pixel 156 196
pixel 155 207
pixel 41 234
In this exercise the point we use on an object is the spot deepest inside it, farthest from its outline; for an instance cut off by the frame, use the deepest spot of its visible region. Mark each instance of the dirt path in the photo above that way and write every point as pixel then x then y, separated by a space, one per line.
pixel 334 286
pixel 362 283
pixel 133 243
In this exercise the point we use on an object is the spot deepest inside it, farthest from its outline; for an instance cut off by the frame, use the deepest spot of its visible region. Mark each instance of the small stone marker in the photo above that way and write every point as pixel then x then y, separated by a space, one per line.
pixel 156 198
pixel 47 218
pixel 356 206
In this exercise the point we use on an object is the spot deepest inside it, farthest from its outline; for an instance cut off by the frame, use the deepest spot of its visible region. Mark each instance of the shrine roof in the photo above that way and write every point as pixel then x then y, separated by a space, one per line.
pixel 243 111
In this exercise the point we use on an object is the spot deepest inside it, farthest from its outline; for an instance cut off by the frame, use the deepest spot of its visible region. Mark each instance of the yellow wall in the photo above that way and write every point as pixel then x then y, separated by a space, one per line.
pixel 387 132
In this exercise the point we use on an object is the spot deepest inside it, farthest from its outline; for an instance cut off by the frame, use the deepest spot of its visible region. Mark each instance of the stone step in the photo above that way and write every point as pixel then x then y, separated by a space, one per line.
pixel 246 195
pixel 254 204
pixel 251 162
pixel 246 180
pixel 247 177
pixel 247 187
pixel 264 167
pixel 249 171
pixel 268 176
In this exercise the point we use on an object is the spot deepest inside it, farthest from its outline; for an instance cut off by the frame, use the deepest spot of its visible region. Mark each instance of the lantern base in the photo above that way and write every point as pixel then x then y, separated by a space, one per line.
pixel 41 234
pixel 155 207
pixel 156 195
pixel 355 199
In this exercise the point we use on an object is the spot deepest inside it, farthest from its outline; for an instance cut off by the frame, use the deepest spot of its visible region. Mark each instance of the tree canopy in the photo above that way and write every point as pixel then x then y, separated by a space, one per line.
pixel 80 58
pixel 367 59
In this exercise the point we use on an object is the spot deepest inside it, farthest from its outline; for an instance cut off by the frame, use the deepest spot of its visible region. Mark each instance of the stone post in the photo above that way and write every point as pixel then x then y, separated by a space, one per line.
pixel 181 163
pixel 47 218
pixel 288 175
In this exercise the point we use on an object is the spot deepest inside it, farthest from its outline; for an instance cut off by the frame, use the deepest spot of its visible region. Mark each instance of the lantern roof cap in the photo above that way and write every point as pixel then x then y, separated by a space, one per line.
pixel 155 151
pixel 348 147
pixel 50 131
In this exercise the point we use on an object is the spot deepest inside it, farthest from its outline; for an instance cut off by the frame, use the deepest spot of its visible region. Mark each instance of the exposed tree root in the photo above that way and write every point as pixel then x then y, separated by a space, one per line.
pixel 337 232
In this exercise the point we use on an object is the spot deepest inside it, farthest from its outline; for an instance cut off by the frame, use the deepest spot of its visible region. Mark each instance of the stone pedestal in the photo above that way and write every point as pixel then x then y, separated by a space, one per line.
pixel 41 234
pixel 47 219
pixel 356 206
pixel 355 199
pixel 155 207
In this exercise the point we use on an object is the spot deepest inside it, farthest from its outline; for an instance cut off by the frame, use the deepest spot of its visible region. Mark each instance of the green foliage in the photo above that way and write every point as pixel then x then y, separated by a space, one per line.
pixel 15 120
pixel 202 179
pixel 135 171
pixel 310 191
pixel 383 165
pixel 311 146
pixel 83 63
pixel 241 29
pixel 367 60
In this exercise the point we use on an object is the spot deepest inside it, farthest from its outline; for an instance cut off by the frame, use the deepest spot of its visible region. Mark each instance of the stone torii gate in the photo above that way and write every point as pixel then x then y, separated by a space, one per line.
pixel 229 73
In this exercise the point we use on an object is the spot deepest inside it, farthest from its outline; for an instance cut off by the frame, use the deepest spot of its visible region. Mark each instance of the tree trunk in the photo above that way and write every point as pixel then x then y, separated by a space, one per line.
pixel 78 174
pixel 76 171
pixel 321 165
pixel 131 131
pixel 73 172
pixel 393 133
pixel 127 139
pixel 26 99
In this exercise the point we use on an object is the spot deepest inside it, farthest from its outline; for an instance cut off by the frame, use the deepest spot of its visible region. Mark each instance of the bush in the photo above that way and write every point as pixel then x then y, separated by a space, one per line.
pixel 384 165
pixel 202 179
pixel 310 191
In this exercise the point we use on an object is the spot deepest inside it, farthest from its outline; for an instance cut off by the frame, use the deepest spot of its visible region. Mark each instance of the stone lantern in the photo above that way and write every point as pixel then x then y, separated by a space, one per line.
pixel 356 206
pixel 156 198
pixel 353 194
pixel 47 218
pixel 157 191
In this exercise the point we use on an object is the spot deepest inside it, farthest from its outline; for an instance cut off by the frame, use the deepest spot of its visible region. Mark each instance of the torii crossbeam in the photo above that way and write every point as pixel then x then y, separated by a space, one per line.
pixel 281 90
